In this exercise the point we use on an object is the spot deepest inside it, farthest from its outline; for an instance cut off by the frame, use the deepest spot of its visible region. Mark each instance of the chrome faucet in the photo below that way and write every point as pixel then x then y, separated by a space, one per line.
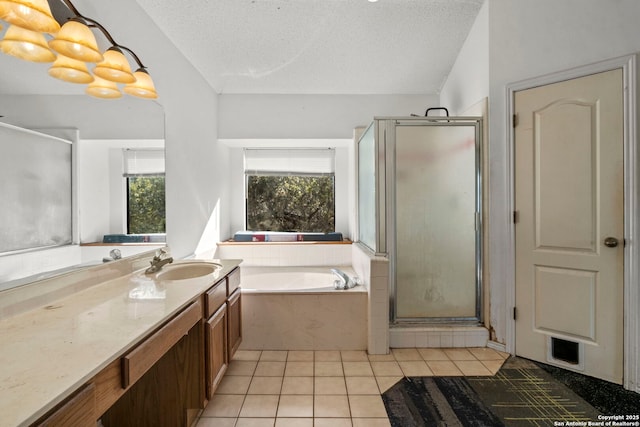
pixel 158 261
pixel 344 281
pixel 114 254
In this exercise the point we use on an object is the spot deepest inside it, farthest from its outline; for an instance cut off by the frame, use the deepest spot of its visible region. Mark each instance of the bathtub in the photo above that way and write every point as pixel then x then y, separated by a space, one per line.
pixel 292 279
pixel 297 308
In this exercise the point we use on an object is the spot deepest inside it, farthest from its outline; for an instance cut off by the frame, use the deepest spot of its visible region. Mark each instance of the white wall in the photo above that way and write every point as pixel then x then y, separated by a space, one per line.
pixel 468 81
pixel 311 116
pixel 128 117
pixel 529 39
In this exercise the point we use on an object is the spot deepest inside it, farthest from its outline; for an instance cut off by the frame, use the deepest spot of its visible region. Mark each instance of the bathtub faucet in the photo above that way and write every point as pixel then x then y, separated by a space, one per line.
pixel 344 281
pixel 114 254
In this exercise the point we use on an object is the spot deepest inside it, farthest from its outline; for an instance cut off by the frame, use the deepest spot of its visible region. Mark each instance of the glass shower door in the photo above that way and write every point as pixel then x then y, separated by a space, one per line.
pixel 437 241
pixel 367 225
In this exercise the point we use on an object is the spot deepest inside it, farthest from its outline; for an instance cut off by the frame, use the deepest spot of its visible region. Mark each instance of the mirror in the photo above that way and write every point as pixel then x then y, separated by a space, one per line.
pixel 31 99
pixel 101 130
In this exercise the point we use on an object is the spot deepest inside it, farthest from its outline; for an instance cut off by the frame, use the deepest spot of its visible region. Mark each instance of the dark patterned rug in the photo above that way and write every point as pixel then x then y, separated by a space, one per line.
pixel 437 401
pixel 520 394
pixel 606 397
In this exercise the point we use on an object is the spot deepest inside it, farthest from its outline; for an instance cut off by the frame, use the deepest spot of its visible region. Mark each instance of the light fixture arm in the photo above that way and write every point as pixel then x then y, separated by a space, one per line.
pixel 133 55
pixel 96 24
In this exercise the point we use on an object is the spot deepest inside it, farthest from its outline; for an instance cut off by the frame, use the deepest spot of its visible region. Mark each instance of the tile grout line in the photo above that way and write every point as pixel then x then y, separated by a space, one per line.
pixel 394 355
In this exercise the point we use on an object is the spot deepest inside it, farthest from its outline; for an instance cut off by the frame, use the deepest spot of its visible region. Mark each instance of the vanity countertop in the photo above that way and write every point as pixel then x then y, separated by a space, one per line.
pixel 49 352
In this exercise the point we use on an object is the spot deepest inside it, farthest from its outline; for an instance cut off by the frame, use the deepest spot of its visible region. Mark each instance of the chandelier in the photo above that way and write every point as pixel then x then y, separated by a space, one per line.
pixel 34 34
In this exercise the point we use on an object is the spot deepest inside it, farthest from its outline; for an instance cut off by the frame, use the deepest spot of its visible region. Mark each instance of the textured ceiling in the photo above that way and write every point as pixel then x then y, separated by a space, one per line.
pixel 318 46
pixel 288 46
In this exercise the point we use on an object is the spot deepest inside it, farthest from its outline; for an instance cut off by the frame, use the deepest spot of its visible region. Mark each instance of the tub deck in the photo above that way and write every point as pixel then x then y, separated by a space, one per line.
pixel 297 308
pixel 293 279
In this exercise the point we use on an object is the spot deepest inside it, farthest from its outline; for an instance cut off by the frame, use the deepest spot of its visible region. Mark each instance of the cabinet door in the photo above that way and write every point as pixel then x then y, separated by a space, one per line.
pixel 216 349
pixel 234 330
pixel 170 393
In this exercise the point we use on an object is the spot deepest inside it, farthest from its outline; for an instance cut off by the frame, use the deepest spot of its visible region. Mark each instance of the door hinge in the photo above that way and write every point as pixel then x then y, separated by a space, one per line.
pixel 515 313
pixel 514 120
pixel 516 217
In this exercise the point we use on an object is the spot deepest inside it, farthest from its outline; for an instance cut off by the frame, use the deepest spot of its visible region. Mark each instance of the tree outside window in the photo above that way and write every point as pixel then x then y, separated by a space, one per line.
pixel 290 203
pixel 146 205
pixel 143 171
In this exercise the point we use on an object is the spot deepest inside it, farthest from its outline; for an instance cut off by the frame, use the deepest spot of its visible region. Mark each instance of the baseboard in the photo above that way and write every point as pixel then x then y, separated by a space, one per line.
pixel 497 346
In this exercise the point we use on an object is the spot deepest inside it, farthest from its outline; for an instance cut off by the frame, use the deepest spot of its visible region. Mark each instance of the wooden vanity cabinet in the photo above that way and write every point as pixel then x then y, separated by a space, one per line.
pixel 161 378
pixel 223 328
pixel 234 323
pixel 216 349
pixel 167 378
pixel 215 297
pixel 233 281
pixel 138 361
pixel 79 411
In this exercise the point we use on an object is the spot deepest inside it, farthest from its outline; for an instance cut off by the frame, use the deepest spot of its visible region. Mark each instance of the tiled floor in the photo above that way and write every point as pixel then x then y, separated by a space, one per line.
pixel 329 388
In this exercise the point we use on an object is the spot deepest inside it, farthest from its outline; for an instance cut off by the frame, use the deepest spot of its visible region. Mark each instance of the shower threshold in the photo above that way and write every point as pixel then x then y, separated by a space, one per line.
pixel 437 335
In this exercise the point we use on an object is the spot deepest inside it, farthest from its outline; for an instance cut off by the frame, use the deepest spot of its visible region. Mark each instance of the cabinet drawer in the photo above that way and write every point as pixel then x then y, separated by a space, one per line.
pixel 233 281
pixel 78 411
pixel 143 357
pixel 215 297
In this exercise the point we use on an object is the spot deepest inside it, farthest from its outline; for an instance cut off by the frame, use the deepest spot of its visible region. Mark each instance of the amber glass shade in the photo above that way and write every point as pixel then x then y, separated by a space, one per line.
pixel 33 15
pixel 114 67
pixel 76 41
pixel 70 70
pixel 101 88
pixel 143 86
pixel 26 44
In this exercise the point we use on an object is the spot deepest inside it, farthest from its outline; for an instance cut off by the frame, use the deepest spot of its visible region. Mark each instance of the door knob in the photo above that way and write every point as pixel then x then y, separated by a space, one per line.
pixel 611 242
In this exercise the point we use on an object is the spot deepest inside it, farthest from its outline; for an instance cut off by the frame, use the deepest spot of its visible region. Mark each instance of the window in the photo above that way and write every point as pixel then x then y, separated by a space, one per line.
pixel 290 190
pixel 145 205
pixel 144 175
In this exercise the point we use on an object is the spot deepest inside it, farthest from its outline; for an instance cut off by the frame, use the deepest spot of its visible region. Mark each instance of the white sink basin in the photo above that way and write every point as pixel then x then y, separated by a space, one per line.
pixel 185 271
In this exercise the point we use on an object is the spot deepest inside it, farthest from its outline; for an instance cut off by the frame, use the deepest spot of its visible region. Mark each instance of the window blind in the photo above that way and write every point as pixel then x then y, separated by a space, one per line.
pixel 301 161
pixel 143 162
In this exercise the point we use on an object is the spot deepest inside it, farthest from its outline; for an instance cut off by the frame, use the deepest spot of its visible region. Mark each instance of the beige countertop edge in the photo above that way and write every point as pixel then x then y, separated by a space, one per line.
pixel 49 352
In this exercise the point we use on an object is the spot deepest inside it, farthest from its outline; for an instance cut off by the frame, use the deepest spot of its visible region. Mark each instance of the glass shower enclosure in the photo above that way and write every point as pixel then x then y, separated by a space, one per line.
pixel 419 203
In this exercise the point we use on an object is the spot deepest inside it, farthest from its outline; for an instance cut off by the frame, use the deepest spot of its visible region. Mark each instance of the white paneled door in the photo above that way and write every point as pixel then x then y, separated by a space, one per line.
pixel 569 198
